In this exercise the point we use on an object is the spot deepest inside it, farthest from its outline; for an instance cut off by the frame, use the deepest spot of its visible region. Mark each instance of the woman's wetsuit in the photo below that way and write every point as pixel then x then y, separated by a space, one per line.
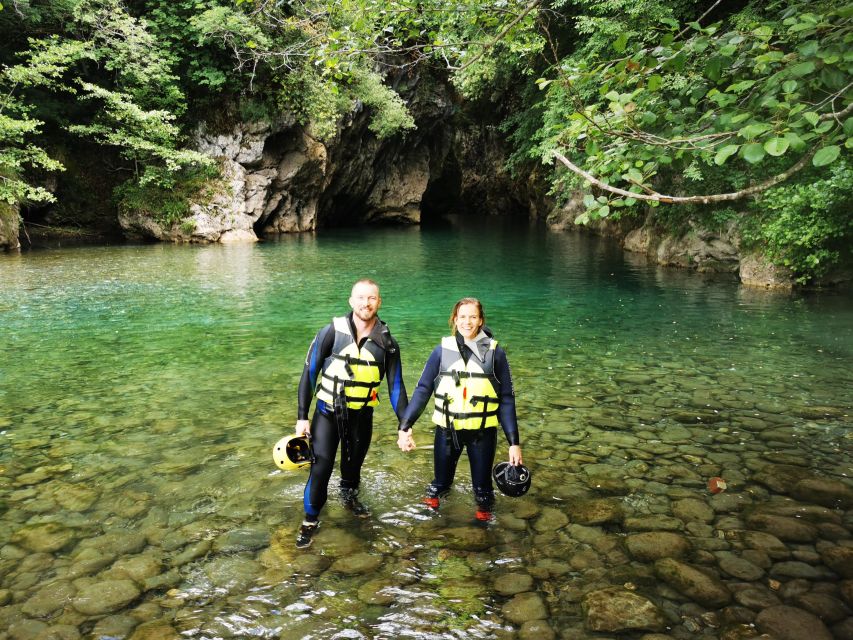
pixel 479 443
pixel 356 431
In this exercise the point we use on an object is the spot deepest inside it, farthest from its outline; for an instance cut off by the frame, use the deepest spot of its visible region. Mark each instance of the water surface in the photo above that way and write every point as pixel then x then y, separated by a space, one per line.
pixel 142 388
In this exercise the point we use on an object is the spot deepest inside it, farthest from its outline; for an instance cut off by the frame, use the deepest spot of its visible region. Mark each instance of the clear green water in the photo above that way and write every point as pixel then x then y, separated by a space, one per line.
pixel 142 388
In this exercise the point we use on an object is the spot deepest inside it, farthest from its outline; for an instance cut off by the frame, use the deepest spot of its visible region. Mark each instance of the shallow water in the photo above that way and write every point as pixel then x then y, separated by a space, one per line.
pixel 142 388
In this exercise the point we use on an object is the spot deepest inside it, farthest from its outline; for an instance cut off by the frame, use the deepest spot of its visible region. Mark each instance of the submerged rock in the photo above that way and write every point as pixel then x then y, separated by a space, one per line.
pixel 655 545
pixel 616 609
pixel 105 597
pixel 695 584
pixel 789 623
pixel 525 606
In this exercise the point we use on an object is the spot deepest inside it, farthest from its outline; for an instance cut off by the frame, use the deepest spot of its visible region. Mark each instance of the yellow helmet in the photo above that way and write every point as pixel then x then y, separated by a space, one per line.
pixel 293 452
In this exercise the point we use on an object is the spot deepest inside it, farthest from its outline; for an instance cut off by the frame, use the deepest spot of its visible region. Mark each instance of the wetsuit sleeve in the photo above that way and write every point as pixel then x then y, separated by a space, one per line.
pixel 320 349
pixel 506 409
pixel 423 391
pixel 396 386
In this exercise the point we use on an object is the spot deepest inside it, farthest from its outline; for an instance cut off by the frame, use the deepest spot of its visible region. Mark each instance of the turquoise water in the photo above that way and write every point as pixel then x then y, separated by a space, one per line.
pixel 142 388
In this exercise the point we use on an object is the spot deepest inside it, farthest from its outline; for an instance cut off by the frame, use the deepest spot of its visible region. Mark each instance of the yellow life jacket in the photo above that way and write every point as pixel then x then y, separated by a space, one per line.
pixel 350 371
pixel 466 394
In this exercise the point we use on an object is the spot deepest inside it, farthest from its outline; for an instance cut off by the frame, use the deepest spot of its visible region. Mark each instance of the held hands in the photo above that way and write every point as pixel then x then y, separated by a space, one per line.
pixel 515 455
pixel 405 440
pixel 303 427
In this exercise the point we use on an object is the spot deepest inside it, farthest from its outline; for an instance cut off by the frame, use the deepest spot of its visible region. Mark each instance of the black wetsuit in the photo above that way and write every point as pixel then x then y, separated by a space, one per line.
pixel 357 431
pixel 479 443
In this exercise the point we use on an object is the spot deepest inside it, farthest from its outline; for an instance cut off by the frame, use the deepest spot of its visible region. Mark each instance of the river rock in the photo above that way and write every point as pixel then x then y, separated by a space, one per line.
pixel 653 523
pixel 238 540
pixel 600 511
pixel 550 520
pixel 48 599
pixel 122 543
pixel 357 564
pixel 839 559
pixel 117 626
pixel 695 584
pixel 536 630
pixel 465 539
pixel 510 584
pixel 156 630
pixel 692 510
pixel 739 568
pixel 780 478
pixel 834 494
pixel 788 529
pixel 789 623
pixel 525 606
pixel 310 564
pixel 138 568
pixel 824 606
pixel 43 538
pixel 757 597
pixel 377 592
pixel 654 545
pixel 615 609
pixel 105 597
pixel 794 569
pixel 26 629
pixel 765 542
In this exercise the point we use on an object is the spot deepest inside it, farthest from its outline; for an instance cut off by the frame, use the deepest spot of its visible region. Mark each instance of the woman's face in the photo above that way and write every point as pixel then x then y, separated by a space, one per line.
pixel 468 320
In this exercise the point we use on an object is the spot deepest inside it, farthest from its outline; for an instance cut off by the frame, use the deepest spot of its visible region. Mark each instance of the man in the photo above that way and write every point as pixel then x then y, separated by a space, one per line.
pixel 344 367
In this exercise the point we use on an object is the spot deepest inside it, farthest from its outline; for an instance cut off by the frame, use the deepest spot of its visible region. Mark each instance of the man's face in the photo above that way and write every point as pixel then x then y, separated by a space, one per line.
pixel 365 301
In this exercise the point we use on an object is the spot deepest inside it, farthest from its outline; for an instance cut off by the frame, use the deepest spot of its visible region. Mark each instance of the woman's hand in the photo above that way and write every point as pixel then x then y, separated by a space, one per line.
pixel 405 440
pixel 515 455
pixel 303 427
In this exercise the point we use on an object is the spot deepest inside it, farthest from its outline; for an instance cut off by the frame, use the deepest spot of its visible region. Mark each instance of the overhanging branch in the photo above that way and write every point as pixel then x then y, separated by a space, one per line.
pixel 654 196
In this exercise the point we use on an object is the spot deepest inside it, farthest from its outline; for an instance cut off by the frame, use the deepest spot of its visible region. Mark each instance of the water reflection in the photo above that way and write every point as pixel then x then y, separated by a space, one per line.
pixel 141 389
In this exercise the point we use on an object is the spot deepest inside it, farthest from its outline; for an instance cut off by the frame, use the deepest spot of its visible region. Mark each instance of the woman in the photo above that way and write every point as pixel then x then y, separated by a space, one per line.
pixel 470 377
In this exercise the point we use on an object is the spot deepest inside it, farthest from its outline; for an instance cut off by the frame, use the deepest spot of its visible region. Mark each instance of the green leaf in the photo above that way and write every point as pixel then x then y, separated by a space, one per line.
pixel 753 153
pixel 789 86
pixel 753 130
pixel 776 146
pixel 724 153
pixel 802 69
pixel 654 83
pixel 604 211
pixel 796 142
pixel 826 155
pixel 542 83
pixel 621 41
pixel 811 117
pixel 589 200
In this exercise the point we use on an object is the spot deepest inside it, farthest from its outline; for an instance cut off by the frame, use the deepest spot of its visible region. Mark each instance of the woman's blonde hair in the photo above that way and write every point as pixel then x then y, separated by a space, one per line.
pixel 453 314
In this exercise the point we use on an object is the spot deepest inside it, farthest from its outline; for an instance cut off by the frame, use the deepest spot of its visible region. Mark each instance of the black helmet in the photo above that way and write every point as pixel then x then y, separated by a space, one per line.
pixel 513 481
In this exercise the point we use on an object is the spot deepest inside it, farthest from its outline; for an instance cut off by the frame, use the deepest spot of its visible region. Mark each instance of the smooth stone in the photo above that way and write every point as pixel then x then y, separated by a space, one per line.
pixel 48 599
pixel 138 568
pixel 191 552
pixel 357 564
pixel 310 564
pixel 824 606
pixel 60 632
pixel 510 584
pixel 117 626
pixel 375 592
pixel 616 609
pixel 105 597
pixel 465 539
pixel 596 511
pixel 122 543
pixel 156 630
pixel 239 540
pixel 550 520
pixel 26 629
pixel 834 494
pixel 766 542
pixel 740 568
pixel 839 559
pixel 653 523
pixel 43 538
pixel 757 598
pixel 692 509
pixel 654 545
pixel 781 478
pixel 789 623
pixel 525 606
pixel 794 569
pixel 784 528
pixel 695 584
pixel 536 630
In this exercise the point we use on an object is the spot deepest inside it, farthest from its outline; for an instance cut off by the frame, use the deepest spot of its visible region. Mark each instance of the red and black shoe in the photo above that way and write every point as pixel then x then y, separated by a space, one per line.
pixel 483 516
pixel 432 503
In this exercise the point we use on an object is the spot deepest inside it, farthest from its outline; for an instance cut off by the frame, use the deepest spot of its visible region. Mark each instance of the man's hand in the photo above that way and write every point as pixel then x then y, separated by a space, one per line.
pixel 515 455
pixel 303 427
pixel 405 440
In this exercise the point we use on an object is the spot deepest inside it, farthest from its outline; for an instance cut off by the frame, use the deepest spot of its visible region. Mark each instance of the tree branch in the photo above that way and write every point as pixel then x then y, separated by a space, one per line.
pixel 530 7
pixel 707 199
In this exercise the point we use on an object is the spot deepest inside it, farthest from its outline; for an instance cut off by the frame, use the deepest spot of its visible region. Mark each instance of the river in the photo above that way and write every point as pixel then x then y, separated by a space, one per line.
pixel 143 386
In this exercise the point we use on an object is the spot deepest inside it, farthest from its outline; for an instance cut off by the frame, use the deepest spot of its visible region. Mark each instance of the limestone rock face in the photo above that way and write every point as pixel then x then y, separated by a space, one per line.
pixel 756 271
pixel 9 227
